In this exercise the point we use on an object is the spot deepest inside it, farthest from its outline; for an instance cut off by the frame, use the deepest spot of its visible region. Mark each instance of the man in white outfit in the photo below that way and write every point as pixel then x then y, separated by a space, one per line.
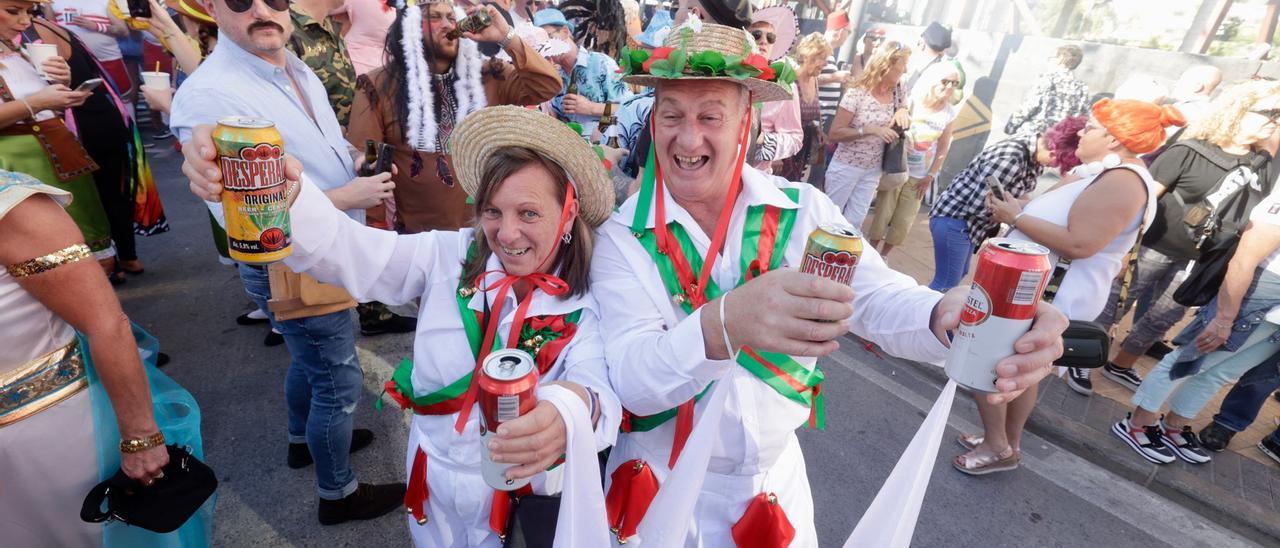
pixel 665 350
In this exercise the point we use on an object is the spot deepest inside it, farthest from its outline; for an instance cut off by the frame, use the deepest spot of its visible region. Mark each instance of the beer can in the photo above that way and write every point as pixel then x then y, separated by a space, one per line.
pixel 506 390
pixel 833 252
pixel 255 200
pixel 473 23
pixel 1001 305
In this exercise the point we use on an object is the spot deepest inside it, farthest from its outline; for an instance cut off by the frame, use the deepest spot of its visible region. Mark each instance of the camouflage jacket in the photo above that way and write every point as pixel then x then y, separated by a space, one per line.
pixel 319 44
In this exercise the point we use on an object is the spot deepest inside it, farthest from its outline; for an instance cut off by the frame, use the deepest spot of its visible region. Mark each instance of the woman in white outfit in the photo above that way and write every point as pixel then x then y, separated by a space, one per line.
pixel 1089 222
pixel 521 273
pixel 872 114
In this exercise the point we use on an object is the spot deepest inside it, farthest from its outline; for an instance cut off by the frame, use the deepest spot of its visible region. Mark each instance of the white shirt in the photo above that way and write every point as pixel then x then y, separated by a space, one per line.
pixel 1268 212
pixel 656 353
pixel 103 46
pixel 393 268
pixel 1084 289
pixel 23 80
pixel 234 82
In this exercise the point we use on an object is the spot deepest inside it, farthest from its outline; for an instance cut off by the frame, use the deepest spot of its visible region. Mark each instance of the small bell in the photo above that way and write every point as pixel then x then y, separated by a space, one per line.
pixel 638 235
pixel 773 499
pixel 466 291
pixel 638 466
pixel 678 298
pixel 538 339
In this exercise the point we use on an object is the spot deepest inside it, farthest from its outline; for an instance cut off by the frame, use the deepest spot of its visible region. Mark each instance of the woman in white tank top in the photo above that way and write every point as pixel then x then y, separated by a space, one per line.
pixel 1091 218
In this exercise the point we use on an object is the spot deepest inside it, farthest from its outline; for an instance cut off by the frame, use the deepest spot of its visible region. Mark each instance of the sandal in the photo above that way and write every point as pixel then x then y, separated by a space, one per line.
pixel 970 441
pixel 974 463
pixel 116 278
pixel 124 265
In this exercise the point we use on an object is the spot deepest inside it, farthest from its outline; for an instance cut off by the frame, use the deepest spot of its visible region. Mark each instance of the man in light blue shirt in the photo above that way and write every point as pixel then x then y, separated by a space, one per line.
pixel 251 73
pixel 592 75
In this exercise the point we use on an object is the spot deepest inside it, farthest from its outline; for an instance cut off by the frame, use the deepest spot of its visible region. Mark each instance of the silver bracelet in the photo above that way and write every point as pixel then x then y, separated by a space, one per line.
pixel 724 325
pixel 511 33
pixel 1014 224
pixel 30 111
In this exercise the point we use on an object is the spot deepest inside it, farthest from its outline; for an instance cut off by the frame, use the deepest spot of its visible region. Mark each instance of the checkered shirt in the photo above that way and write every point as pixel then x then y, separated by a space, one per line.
pixel 1010 161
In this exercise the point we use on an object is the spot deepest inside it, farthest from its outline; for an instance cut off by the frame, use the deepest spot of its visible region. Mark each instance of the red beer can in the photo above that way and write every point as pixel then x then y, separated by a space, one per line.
pixel 507 388
pixel 1007 285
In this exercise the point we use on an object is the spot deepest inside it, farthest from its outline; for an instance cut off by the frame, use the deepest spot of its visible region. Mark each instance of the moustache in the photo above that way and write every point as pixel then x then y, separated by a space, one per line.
pixel 265 25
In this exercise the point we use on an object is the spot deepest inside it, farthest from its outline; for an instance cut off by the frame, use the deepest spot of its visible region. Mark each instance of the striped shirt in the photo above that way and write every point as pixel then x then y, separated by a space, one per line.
pixel 829 94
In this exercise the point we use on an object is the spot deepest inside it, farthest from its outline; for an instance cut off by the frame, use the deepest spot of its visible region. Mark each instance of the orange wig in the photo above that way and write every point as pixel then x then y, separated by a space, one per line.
pixel 1138 125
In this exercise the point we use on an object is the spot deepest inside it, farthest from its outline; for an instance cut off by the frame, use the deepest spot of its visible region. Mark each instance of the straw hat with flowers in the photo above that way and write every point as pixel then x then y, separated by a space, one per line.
pixel 487 130
pixel 705 51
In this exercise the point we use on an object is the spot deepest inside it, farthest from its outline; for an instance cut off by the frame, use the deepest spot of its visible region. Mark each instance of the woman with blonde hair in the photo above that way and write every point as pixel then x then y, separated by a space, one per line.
pixel 933 109
pixel 1219 152
pixel 810 55
pixel 872 114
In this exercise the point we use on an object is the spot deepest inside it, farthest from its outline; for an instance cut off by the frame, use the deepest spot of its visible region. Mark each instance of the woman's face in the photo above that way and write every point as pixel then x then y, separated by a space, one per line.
pixel 15 17
pixel 1258 123
pixel 945 87
pixel 1095 142
pixel 896 70
pixel 520 221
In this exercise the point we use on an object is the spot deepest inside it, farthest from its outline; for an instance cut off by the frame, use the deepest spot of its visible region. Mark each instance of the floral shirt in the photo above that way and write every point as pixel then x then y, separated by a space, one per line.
pixel 866 152
pixel 319 44
pixel 1056 95
pixel 597 78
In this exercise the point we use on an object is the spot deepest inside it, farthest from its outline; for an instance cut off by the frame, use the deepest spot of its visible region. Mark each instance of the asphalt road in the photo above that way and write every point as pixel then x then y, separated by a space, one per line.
pixel 189 302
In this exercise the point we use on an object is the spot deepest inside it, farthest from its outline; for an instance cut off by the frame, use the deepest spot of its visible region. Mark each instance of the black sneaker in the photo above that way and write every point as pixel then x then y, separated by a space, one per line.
pixel 273 339
pixel 368 502
pixel 1124 376
pixel 1270 447
pixel 162 135
pixel 1185 444
pixel 1215 438
pixel 1078 380
pixel 388 323
pixel 1158 350
pixel 1146 441
pixel 300 454
pixel 246 319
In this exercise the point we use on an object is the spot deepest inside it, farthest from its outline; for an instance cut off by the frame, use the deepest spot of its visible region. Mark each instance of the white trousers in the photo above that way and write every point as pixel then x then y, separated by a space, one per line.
pixel 852 188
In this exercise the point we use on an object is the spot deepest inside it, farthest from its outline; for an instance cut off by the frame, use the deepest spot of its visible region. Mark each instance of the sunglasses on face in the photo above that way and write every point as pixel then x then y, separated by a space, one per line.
pixel 769 37
pixel 241 6
pixel 875 39
pixel 951 83
pixel 1271 114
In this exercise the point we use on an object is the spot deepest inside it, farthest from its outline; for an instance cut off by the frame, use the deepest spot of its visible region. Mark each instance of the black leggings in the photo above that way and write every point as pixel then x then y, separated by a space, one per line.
pixel 112 179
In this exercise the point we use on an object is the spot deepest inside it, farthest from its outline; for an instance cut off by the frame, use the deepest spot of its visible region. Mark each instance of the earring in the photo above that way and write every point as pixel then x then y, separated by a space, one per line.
pixel 568 237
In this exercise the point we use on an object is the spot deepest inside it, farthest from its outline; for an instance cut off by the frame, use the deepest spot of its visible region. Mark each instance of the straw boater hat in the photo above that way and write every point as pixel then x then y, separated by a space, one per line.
pixel 192 9
pixel 489 129
pixel 710 52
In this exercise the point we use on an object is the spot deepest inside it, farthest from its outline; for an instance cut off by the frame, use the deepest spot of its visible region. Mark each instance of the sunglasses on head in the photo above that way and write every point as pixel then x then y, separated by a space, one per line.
pixel 241 6
pixel 769 37
pixel 1271 114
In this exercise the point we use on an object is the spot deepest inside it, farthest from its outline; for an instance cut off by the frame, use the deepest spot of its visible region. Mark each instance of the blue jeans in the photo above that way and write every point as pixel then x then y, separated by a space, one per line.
pixel 1244 401
pixel 951 252
pixel 321 388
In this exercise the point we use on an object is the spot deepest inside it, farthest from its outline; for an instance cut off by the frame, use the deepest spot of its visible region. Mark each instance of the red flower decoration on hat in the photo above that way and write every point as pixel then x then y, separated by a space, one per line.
pixel 760 62
pixel 658 54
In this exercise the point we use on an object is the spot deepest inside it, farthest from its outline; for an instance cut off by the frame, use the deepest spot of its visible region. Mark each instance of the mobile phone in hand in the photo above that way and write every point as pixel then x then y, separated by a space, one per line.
pixel 89 85
pixel 386 155
pixel 139 8
pixel 994 184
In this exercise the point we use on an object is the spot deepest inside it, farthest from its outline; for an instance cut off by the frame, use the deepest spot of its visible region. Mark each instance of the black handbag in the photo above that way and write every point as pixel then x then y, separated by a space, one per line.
pixel 1202 284
pixel 533 521
pixel 1085 345
pixel 162 506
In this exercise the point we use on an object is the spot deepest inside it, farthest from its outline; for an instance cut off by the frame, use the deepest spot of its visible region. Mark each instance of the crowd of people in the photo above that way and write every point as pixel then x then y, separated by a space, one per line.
pixel 624 197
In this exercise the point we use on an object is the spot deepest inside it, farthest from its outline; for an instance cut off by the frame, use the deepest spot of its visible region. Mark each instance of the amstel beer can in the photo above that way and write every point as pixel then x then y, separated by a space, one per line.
pixel 506 390
pixel 833 252
pixel 256 198
pixel 1010 277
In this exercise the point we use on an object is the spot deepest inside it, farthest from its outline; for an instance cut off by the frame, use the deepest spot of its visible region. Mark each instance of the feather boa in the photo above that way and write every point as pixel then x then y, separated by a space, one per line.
pixel 468 87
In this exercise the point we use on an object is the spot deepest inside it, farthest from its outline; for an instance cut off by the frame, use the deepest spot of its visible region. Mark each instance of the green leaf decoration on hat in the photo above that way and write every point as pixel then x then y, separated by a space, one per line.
pixel 575 127
pixel 631 61
pixel 785 74
pixel 735 68
pixel 707 63
pixel 671 67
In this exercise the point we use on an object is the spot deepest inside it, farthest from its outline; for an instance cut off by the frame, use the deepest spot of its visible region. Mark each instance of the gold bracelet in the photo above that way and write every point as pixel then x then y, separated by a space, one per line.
pixel 66 255
pixel 138 445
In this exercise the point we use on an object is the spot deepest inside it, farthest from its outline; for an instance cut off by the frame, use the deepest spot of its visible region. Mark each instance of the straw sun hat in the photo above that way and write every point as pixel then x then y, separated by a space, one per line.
pixel 706 51
pixel 487 130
